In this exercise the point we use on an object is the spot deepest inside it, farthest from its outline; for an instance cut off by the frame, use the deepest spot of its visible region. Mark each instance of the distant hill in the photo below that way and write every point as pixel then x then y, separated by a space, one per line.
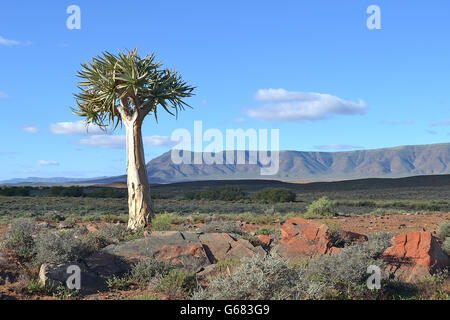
pixel 300 166
pixel 303 166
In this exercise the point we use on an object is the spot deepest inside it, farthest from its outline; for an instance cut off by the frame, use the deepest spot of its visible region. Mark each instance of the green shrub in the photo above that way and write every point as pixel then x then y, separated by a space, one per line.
pixel 144 270
pixel 19 237
pixel 255 279
pixel 35 287
pixel 444 230
pixel 178 281
pixel 118 283
pixel 275 195
pixel 162 222
pixel 322 207
pixel 344 273
pixel 53 216
pixel 446 246
pixel 60 247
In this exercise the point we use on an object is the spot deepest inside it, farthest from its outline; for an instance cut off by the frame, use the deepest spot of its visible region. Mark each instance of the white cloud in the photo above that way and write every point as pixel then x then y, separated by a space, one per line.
pixel 30 129
pixel 8 43
pixel 337 147
pixel 48 163
pixel 119 141
pixel 283 105
pixel 75 128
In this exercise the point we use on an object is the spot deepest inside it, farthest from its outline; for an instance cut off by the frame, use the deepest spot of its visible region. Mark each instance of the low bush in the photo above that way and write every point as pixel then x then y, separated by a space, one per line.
pixel 143 271
pixel 322 207
pixel 255 279
pixel 444 230
pixel 19 238
pixel 275 195
pixel 345 273
pixel 446 246
pixel 60 247
pixel 178 282
pixel 162 222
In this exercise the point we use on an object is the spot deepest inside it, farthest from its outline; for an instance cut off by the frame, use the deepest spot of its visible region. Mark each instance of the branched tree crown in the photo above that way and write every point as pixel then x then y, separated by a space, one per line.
pixel 113 87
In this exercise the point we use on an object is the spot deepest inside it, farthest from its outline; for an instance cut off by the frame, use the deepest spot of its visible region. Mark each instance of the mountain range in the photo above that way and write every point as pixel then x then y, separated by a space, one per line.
pixel 299 166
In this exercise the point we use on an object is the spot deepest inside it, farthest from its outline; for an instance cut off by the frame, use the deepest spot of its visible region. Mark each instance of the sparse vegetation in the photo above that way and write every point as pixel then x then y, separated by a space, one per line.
pixel 34 237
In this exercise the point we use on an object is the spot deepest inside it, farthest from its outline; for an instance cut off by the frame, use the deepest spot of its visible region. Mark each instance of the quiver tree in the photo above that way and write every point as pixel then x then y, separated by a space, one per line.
pixel 123 89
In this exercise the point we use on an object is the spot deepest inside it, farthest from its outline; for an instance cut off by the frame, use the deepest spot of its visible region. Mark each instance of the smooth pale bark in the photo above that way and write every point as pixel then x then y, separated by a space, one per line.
pixel 139 200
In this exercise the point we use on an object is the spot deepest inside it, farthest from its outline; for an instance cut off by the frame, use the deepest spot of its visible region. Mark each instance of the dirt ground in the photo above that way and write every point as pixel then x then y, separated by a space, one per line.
pixel 368 224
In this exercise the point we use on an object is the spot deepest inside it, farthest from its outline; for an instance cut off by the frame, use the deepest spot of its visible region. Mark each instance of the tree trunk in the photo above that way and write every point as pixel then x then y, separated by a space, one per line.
pixel 139 200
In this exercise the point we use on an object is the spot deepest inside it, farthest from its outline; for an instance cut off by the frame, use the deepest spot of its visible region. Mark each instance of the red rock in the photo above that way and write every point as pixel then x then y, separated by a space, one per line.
pixel 302 237
pixel 353 236
pixel 414 255
pixel 264 240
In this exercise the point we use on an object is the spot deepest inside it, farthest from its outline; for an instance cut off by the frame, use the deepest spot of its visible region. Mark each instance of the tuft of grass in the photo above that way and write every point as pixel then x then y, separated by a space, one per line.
pixel 178 282
pixel 268 231
pixel 118 283
pixel 164 221
pixel 223 264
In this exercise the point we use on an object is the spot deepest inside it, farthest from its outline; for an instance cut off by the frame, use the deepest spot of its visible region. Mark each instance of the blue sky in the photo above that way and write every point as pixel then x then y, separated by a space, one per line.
pixel 311 69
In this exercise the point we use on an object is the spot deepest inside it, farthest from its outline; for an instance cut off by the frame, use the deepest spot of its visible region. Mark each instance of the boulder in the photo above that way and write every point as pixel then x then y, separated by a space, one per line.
pixel 191 257
pixel 56 275
pixel 414 255
pixel 302 237
pixel 216 245
pixel 220 246
pixel 353 236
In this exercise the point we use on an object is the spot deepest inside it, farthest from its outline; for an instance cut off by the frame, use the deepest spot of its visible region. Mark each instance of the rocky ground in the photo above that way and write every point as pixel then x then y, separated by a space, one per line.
pixel 415 252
